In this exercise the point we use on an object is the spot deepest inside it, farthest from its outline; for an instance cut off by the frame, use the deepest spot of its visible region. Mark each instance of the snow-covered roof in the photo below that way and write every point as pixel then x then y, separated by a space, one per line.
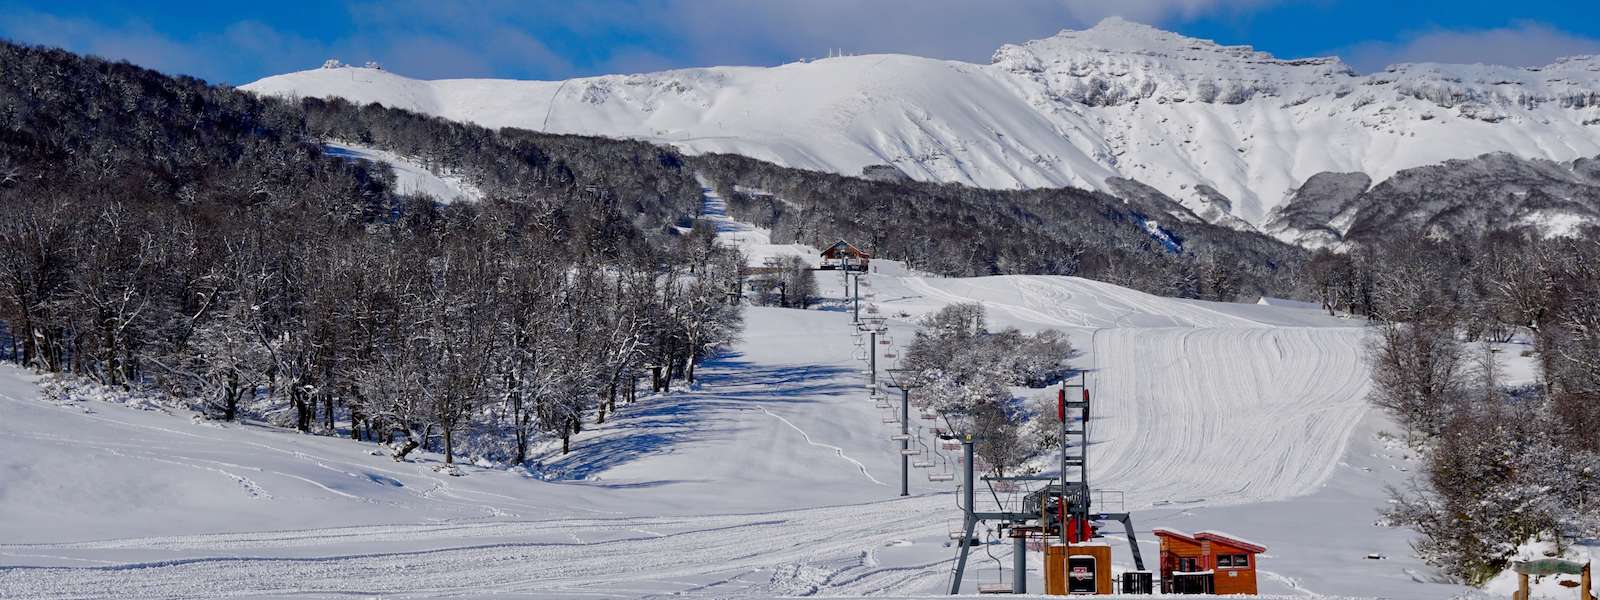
pixel 845 248
pixel 1230 539
pixel 1287 303
pixel 1174 533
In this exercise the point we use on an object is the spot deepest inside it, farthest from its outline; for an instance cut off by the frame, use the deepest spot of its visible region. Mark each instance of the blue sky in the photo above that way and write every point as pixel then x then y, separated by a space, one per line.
pixel 547 39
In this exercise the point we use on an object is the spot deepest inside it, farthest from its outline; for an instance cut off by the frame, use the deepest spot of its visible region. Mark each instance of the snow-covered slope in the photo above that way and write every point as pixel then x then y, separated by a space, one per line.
pixel 1116 100
pixel 774 477
pixel 410 176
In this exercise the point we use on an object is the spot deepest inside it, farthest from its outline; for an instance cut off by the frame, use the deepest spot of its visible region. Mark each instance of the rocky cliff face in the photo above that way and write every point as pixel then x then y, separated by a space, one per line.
pixel 1489 192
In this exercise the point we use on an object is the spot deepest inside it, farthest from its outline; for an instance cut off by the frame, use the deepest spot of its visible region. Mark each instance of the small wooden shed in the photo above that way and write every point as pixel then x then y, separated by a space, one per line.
pixel 845 256
pixel 1229 561
pixel 1081 568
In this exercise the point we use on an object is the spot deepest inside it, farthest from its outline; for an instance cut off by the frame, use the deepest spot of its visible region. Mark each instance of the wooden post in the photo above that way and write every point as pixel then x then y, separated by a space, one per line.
pixel 1585 584
pixel 1522 587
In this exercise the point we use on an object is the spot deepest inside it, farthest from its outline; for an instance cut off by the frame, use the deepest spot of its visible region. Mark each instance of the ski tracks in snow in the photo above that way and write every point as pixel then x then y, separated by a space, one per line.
pixel 836 450
pixel 564 558
pixel 1223 415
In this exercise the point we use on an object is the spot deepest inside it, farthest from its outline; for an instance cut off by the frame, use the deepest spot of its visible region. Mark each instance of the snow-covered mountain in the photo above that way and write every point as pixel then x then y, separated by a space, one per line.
pixel 1222 129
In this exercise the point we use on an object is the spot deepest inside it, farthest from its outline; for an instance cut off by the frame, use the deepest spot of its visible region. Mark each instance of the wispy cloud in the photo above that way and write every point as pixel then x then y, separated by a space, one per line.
pixel 1521 44
pixel 134 41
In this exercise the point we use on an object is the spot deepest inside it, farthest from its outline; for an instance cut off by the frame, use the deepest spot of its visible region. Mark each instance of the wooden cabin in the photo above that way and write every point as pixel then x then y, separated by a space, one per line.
pixel 844 256
pixel 1207 562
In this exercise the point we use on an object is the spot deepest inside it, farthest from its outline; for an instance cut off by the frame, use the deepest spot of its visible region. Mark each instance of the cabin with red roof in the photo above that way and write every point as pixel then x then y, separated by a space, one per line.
pixel 845 256
pixel 1207 562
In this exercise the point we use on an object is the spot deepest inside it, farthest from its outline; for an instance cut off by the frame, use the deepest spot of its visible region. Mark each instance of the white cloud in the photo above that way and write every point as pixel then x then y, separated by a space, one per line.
pixel 1521 44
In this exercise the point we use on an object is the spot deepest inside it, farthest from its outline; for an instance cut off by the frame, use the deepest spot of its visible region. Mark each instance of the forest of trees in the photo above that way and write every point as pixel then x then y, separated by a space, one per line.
pixel 962 231
pixel 1504 464
pixel 157 232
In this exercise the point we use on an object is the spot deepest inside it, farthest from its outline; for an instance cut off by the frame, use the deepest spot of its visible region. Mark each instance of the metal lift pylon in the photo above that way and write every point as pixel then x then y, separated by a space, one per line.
pixel 1070 491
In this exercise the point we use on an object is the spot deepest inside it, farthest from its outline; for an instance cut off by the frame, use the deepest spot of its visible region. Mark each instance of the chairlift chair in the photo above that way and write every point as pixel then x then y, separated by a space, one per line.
pixel 926 458
pixel 891 419
pixel 944 473
pixel 955 532
pixel 1001 587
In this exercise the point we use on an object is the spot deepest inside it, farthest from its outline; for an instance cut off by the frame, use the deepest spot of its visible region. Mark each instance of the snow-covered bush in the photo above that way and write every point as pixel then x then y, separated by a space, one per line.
pixel 1505 467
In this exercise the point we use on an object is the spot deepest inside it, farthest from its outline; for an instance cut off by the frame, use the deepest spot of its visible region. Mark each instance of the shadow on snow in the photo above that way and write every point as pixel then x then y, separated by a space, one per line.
pixel 659 425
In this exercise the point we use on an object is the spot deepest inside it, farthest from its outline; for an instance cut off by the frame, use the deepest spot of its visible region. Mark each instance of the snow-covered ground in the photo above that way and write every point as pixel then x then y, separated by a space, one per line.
pixel 773 477
pixel 411 177
pixel 1074 109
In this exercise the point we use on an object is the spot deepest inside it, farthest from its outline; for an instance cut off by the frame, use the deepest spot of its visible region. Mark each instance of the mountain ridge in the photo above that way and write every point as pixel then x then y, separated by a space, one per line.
pixel 1224 130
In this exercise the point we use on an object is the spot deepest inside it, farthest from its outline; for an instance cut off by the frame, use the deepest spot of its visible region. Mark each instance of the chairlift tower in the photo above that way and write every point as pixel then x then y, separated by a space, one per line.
pixel 872 326
pixel 1074 492
pixel 1071 518
pixel 902 380
pixel 855 297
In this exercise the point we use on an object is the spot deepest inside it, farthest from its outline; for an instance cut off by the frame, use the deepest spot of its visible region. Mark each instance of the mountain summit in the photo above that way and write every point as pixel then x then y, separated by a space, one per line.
pixel 1226 130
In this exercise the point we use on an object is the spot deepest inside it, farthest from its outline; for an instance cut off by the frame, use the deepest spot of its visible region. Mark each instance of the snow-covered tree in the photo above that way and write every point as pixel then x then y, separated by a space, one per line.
pixel 970 372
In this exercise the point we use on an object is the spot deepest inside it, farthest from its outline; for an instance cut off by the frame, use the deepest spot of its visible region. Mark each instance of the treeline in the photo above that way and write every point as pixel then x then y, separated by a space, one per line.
pixel 647 183
pixel 1504 465
pixel 159 232
pixel 962 231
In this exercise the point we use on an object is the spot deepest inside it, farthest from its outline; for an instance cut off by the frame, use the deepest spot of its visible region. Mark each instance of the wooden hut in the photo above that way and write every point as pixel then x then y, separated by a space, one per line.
pixel 844 256
pixel 1207 562
pixel 1081 568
